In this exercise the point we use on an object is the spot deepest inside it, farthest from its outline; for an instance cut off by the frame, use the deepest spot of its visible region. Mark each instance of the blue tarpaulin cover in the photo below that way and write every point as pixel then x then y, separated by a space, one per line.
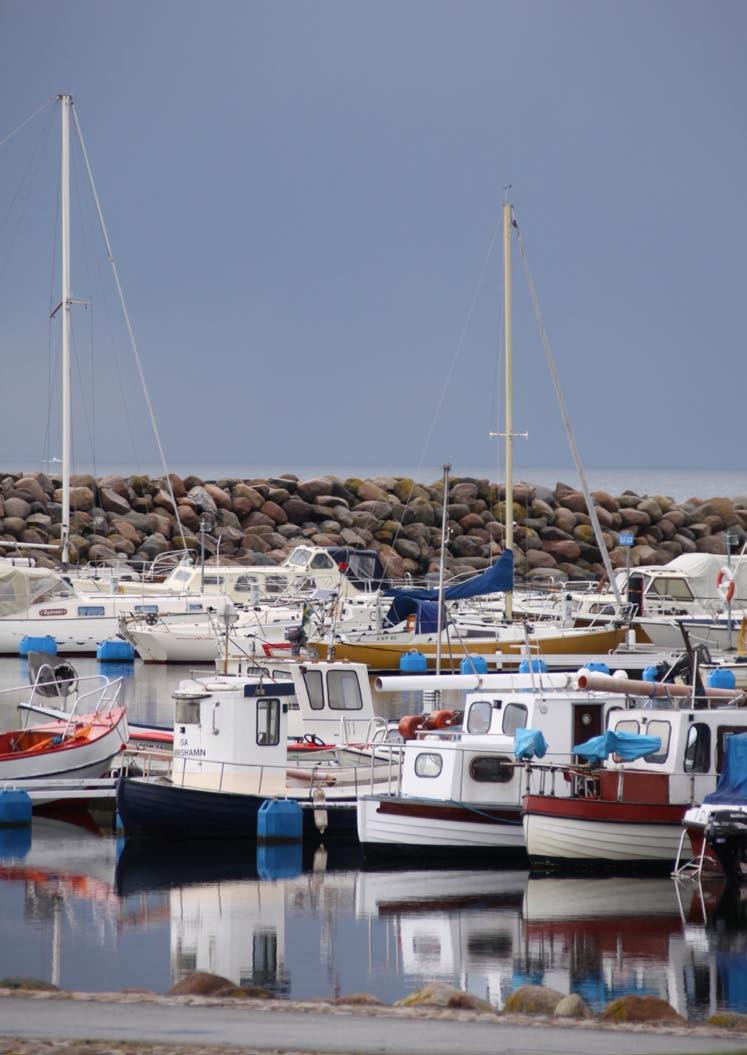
pixel 732 782
pixel 529 743
pixel 628 746
pixel 499 577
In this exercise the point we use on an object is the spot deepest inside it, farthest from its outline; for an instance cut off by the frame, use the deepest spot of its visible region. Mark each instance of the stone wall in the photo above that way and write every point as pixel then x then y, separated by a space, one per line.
pixel 260 521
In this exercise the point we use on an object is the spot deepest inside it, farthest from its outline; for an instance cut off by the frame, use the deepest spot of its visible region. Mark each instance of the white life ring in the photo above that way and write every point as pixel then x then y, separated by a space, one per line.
pixel 725 583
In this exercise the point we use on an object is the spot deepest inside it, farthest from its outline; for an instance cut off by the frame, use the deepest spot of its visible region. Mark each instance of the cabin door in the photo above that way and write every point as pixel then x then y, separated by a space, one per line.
pixel 587 721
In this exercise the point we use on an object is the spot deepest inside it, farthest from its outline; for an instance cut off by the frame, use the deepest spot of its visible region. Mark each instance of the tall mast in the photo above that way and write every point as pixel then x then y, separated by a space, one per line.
pixel 509 413
pixel 65 104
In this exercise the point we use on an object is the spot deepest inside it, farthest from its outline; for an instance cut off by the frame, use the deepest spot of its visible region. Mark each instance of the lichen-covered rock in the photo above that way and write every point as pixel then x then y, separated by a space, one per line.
pixel 573 1006
pixel 440 994
pixel 533 1000
pixel 200 983
pixel 358 1000
pixel 723 1020
pixel 634 1008
pixel 28 985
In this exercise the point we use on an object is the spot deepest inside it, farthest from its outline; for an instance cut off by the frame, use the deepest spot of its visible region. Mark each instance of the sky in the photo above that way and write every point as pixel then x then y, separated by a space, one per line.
pixel 303 200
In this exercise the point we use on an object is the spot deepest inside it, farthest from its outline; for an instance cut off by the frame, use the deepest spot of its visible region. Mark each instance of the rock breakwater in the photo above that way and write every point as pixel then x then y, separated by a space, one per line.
pixel 258 521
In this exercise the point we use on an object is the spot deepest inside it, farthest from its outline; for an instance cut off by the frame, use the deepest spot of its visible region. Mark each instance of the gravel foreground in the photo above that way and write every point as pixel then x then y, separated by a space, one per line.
pixel 136 1024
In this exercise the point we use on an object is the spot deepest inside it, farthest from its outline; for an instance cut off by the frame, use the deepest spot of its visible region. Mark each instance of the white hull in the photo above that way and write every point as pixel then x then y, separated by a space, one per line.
pixel 386 829
pixel 665 633
pixel 81 760
pixel 567 839
pixel 72 635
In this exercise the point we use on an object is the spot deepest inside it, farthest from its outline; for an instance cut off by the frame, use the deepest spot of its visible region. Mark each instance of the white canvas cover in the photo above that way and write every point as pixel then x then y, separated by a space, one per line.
pixel 22 587
pixel 701 571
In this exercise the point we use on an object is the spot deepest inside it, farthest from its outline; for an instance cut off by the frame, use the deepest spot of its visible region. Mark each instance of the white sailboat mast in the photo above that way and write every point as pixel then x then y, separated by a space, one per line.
pixel 509 412
pixel 65 104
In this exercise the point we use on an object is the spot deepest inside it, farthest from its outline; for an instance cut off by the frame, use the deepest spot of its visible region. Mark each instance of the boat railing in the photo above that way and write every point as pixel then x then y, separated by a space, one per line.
pixel 389 756
pixel 104 690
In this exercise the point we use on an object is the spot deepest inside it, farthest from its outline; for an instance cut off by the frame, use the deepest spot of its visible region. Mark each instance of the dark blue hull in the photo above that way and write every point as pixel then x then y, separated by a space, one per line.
pixel 159 810
pixel 155 810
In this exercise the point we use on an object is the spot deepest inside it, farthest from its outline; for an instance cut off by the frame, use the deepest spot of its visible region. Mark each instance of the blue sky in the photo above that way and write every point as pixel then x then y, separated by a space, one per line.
pixel 301 197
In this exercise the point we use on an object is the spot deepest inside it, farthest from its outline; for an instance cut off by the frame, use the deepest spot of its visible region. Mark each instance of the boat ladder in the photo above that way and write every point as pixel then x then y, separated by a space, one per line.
pixel 693 868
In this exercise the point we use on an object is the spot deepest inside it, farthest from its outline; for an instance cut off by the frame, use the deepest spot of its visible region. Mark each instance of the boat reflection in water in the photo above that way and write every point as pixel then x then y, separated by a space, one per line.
pixel 78 910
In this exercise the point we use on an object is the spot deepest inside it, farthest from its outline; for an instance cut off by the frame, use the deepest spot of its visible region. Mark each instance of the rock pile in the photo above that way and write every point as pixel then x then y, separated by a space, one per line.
pixel 261 521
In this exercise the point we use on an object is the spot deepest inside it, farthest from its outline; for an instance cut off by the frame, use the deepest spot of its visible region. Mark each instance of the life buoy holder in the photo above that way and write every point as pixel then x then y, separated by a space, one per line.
pixel 409 725
pixel 725 583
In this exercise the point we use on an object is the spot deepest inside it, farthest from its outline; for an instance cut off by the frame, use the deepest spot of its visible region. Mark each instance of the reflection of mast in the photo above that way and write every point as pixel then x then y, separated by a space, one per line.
pixel 56 940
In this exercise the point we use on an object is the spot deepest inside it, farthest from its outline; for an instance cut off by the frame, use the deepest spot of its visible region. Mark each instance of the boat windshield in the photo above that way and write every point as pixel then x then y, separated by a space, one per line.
pixel 22 587
pixel 299 558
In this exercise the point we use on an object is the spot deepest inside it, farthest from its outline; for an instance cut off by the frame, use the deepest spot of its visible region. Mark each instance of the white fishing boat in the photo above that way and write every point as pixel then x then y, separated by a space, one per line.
pixel 458 788
pixel 626 811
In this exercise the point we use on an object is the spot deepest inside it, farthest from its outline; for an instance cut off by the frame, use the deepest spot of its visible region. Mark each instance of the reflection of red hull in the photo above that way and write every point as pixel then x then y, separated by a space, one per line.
pixel 611 934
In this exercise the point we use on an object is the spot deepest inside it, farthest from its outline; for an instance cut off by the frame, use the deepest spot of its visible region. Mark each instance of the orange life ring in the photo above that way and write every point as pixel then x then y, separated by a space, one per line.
pixel 725 583
pixel 409 724
pixel 439 720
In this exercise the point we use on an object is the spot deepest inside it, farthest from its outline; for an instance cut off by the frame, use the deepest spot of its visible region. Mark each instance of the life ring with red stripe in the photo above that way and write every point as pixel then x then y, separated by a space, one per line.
pixel 725 584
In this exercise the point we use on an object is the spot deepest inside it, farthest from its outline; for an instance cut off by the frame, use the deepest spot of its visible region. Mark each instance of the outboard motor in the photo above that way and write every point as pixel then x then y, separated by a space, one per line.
pixel 55 678
pixel 296 635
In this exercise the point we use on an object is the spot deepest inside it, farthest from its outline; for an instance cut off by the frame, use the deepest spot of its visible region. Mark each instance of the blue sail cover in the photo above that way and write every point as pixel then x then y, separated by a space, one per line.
pixel 495 579
pixel 732 782
pixel 529 743
pixel 627 746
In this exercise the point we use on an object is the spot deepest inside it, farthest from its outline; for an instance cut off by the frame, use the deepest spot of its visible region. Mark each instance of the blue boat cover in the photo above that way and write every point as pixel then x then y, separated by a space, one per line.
pixel 529 743
pixel 732 782
pixel 495 579
pixel 425 612
pixel 627 746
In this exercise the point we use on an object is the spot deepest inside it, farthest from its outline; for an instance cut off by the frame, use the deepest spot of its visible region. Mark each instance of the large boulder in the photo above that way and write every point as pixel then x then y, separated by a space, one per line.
pixel 17 507
pixel 219 496
pixel 113 502
pixel 533 1000
pixel 202 500
pixel 29 488
pixel 115 483
pixel 298 510
pixel 80 497
pixel 441 994
pixel 634 1008
pixel 572 1006
pixel 370 492
pixel 200 983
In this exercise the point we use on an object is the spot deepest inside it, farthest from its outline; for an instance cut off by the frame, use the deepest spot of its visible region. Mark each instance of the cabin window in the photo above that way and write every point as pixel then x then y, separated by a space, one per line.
pixel 672 589
pixel 144 609
pixel 478 719
pixel 91 609
pixel 722 735
pixel 491 769
pixel 181 575
pixel 194 607
pixel 315 689
pixel 213 580
pixel 627 727
pixel 245 584
pixel 268 722
pixel 663 730
pixel 299 556
pixel 322 560
pixel 276 584
pixel 344 691
pixel 186 712
pixel 428 764
pixel 514 717
pixel 698 749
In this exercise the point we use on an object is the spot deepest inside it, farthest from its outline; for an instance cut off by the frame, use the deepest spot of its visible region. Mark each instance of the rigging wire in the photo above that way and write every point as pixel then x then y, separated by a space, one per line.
pixel 452 367
pixel 564 413
pixel 23 191
pixel 128 323
pixel 27 120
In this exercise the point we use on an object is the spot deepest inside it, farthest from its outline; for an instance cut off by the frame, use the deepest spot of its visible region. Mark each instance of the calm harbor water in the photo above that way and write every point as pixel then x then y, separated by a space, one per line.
pixel 88 911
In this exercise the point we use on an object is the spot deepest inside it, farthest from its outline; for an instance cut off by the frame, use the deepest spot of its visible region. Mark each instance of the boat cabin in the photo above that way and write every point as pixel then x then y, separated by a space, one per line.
pixel 686 766
pixel 233 738
pixel 477 762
